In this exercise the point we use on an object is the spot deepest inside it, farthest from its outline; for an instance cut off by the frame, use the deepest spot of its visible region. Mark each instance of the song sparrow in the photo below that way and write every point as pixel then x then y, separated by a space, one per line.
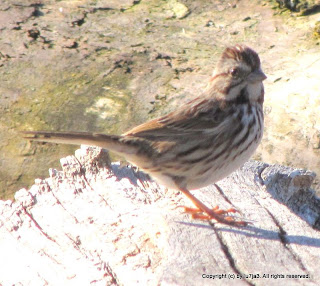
pixel 201 142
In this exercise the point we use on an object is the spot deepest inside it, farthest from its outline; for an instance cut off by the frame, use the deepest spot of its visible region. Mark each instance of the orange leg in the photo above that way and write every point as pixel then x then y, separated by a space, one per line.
pixel 204 213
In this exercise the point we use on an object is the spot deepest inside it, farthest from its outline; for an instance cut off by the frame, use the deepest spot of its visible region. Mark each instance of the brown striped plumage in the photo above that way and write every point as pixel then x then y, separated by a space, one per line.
pixel 201 142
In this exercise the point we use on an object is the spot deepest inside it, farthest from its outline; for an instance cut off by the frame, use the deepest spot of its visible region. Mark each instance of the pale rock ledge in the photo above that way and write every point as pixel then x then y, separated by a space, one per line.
pixel 95 223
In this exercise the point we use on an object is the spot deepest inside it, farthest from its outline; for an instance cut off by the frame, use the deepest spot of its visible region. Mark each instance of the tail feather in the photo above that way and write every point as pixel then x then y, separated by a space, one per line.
pixel 110 142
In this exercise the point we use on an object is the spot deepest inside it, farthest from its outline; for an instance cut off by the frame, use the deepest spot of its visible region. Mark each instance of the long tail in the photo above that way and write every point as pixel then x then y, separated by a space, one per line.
pixel 110 142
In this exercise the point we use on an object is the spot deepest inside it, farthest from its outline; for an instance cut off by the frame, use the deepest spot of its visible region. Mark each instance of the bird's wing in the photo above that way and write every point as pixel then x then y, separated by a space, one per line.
pixel 198 116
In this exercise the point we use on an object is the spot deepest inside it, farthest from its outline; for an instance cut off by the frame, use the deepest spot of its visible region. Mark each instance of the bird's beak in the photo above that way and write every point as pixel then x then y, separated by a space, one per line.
pixel 257 75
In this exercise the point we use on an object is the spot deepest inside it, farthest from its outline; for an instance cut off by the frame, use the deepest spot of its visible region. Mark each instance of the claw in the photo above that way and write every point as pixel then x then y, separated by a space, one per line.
pixel 219 215
pixel 216 210
pixel 200 216
pixel 222 212
pixel 192 210
pixel 202 212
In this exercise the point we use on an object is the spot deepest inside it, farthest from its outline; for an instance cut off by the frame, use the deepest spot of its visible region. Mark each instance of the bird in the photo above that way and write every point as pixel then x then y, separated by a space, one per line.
pixel 199 143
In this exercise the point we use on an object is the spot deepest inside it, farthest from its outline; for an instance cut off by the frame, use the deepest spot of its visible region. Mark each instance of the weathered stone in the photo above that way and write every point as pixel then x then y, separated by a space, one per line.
pixel 95 223
pixel 109 65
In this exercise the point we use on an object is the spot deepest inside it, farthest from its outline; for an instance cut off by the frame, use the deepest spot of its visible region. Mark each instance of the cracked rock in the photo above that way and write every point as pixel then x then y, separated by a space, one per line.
pixel 95 223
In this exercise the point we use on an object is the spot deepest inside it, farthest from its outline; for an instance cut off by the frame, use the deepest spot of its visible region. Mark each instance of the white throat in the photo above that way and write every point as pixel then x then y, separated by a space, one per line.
pixel 255 90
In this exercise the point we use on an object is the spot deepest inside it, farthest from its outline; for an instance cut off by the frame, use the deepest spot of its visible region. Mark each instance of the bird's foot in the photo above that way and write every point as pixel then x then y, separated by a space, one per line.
pixel 204 213
pixel 217 214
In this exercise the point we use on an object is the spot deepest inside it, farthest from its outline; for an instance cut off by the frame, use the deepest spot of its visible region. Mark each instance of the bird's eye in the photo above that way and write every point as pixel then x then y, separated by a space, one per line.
pixel 234 72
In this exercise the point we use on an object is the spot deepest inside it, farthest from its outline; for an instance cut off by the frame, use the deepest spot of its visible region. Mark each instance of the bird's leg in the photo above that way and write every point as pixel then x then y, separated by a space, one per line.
pixel 204 213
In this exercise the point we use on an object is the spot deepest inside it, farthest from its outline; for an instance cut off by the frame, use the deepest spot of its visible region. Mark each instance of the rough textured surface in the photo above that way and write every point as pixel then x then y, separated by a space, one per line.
pixel 99 224
pixel 107 65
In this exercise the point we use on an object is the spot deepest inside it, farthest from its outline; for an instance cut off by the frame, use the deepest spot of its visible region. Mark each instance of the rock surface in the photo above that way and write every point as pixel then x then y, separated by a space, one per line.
pixel 107 65
pixel 94 223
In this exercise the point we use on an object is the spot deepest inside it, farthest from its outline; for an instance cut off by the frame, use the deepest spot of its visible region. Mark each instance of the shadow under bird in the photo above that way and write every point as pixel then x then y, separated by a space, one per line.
pixel 199 143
